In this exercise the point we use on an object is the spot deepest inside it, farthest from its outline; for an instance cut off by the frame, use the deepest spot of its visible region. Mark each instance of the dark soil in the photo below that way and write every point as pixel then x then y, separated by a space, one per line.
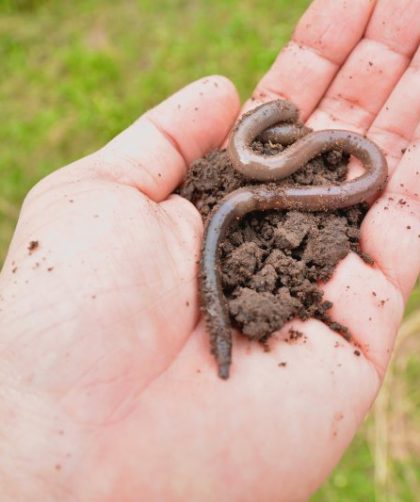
pixel 272 262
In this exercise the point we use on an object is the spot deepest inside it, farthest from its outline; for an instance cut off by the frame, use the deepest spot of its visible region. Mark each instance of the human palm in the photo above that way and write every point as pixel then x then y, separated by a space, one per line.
pixel 108 390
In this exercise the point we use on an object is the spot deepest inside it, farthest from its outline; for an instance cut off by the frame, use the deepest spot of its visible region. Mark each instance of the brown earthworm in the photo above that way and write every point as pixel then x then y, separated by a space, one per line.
pixel 269 196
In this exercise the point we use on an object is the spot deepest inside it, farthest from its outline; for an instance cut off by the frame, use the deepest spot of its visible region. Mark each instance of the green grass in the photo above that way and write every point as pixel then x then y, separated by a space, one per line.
pixel 73 74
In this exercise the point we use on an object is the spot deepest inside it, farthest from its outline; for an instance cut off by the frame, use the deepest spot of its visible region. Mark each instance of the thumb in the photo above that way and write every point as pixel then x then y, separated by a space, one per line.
pixel 154 152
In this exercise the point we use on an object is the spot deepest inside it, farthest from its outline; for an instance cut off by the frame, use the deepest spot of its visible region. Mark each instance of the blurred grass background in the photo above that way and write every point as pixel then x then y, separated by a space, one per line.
pixel 73 74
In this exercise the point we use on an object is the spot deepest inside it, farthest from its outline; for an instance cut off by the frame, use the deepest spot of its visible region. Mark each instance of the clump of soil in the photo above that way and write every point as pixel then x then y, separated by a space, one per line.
pixel 272 261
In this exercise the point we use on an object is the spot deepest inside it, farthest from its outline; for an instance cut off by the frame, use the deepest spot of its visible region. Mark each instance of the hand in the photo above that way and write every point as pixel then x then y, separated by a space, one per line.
pixel 108 390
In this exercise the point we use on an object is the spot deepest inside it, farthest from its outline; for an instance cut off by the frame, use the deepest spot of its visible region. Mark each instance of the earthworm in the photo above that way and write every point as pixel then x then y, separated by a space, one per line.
pixel 269 196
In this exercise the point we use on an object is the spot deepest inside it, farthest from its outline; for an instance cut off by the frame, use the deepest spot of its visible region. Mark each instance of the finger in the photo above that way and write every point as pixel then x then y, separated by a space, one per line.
pixel 371 299
pixel 391 230
pixel 154 152
pixel 393 128
pixel 392 227
pixel 372 70
pixel 367 303
pixel 323 38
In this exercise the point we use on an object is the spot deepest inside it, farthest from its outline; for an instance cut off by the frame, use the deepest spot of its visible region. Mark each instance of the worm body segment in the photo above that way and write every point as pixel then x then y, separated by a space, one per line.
pixel 268 196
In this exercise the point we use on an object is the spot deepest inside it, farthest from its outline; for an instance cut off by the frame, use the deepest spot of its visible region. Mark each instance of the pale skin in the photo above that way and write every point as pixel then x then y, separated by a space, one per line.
pixel 107 389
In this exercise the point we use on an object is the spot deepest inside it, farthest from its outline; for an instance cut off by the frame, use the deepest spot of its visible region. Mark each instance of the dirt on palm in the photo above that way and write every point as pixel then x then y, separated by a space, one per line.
pixel 272 262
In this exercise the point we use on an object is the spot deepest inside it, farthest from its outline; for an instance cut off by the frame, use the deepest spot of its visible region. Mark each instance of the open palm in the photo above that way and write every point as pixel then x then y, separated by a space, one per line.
pixel 108 390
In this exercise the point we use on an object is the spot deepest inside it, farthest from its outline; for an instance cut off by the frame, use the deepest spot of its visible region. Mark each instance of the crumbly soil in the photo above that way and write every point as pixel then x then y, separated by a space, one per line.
pixel 273 262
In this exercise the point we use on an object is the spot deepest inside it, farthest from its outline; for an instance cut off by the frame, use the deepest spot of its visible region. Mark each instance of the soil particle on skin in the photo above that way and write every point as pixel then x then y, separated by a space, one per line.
pixel 33 246
pixel 272 262
pixel 295 335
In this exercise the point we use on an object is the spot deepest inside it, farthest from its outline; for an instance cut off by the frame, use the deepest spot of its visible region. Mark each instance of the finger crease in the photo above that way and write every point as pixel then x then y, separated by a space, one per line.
pixel 263 91
pixel 389 131
pixel 386 46
pixel 393 281
pixel 361 123
pixel 315 51
pixel 169 137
